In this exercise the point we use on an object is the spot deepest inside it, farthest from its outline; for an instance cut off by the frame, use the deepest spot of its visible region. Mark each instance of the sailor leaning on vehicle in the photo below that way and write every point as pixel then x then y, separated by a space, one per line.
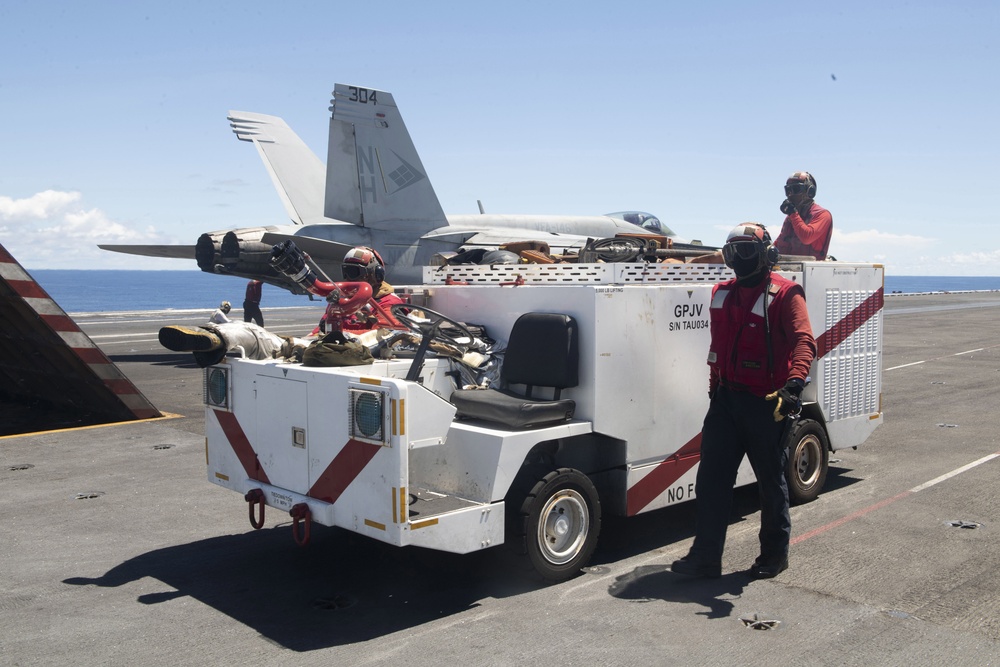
pixel 363 264
pixel 808 226
pixel 760 354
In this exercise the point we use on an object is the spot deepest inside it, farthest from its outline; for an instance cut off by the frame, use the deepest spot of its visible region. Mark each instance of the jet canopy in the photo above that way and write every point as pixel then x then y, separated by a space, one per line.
pixel 647 221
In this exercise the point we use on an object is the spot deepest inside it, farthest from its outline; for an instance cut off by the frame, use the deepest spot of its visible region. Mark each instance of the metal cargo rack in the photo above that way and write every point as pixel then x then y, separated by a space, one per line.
pixel 575 274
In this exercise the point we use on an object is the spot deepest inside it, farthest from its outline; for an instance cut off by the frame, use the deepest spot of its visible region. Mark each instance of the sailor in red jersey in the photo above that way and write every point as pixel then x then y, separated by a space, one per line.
pixel 251 303
pixel 761 351
pixel 364 264
pixel 808 226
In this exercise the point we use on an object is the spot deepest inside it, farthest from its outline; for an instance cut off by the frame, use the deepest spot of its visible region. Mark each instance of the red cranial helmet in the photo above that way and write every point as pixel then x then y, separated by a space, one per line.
pixel 748 249
pixel 799 183
pixel 364 264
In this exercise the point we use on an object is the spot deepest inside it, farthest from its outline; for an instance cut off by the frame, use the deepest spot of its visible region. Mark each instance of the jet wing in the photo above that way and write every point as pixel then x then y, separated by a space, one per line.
pixel 496 237
pixel 167 251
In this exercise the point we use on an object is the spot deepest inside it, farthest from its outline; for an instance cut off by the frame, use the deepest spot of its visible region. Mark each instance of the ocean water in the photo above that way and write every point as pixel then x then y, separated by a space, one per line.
pixel 95 291
pixel 109 291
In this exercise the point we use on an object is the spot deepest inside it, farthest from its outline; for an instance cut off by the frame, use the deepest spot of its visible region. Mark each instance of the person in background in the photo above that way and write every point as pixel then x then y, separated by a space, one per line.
pixel 808 226
pixel 251 303
pixel 760 354
pixel 221 314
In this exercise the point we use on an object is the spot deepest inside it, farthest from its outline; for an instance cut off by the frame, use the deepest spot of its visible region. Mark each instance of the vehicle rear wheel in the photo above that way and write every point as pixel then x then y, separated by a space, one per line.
pixel 562 519
pixel 808 461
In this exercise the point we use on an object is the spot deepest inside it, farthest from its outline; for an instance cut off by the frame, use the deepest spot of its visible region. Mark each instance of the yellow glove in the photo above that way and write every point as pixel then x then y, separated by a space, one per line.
pixel 788 399
pixel 778 416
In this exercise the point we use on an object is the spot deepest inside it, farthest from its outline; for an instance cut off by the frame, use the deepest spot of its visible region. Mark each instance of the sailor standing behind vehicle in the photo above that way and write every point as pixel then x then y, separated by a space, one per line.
pixel 808 226
pixel 220 316
pixel 761 350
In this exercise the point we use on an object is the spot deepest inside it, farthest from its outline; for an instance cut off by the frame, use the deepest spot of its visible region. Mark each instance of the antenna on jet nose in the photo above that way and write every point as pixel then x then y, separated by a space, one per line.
pixel 482 211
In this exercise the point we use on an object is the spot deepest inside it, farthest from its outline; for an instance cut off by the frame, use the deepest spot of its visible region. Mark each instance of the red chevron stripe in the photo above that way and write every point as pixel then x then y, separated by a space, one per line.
pixel 662 476
pixel 343 469
pixel 60 322
pixel 121 386
pixel 839 332
pixel 27 289
pixel 91 355
pixel 241 445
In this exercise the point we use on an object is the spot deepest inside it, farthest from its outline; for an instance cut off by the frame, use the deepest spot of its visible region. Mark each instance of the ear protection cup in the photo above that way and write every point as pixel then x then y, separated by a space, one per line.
pixel 812 186
pixel 380 269
pixel 772 255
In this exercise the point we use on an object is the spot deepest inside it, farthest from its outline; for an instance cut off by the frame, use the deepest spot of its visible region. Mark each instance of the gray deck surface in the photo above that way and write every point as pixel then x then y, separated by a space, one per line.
pixel 115 550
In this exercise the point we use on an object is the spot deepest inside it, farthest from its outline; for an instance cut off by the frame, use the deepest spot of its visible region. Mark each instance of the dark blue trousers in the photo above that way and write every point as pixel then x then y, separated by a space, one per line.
pixel 740 423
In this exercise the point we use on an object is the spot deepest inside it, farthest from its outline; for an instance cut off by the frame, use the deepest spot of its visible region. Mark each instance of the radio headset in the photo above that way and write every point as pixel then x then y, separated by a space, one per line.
pixel 812 186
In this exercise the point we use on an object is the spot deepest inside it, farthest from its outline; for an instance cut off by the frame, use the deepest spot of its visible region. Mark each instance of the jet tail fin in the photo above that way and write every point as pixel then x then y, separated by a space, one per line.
pixel 374 174
pixel 296 172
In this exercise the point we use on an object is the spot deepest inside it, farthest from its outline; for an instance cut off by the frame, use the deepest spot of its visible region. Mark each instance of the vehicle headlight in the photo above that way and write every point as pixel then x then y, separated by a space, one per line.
pixel 368 416
pixel 217 387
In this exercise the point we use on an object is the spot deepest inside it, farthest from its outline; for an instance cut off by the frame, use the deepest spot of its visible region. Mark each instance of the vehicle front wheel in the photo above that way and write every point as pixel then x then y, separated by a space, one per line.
pixel 808 461
pixel 562 519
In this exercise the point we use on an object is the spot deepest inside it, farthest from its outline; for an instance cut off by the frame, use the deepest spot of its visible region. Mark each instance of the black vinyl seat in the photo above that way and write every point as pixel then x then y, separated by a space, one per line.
pixel 543 351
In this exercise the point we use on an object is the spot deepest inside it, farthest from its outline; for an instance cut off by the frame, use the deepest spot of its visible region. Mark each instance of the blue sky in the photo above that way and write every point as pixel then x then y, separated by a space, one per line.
pixel 113 116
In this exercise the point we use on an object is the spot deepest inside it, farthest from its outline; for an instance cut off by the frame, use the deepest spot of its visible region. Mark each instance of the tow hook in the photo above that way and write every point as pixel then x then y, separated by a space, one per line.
pixel 256 497
pixel 298 513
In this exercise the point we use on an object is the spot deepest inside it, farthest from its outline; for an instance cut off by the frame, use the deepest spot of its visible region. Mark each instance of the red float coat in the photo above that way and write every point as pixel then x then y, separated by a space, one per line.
pixel 806 236
pixel 738 356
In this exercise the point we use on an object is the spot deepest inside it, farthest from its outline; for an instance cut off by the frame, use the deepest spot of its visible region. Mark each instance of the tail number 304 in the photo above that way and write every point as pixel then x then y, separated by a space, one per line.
pixel 362 95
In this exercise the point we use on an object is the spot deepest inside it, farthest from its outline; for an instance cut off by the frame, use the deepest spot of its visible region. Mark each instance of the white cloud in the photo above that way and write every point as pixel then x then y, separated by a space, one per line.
pixel 37 207
pixel 873 245
pixel 54 230
pixel 977 259
pixel 874 237
pixel 913 255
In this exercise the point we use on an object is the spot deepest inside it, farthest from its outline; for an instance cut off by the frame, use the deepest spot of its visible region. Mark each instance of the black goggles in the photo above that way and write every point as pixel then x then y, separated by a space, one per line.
pixel 740 249
pixel 354 272
pixel 796 188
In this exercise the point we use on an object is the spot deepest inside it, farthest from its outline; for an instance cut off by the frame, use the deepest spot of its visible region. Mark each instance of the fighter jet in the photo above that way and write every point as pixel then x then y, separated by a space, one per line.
pixel 374 192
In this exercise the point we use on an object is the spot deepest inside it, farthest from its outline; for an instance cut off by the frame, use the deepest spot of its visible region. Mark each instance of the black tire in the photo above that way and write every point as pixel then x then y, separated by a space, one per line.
pixel 808 461
pixel 562 519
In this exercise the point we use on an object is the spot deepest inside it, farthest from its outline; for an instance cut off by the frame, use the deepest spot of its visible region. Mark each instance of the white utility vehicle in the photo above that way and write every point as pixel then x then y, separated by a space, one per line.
pixel 614 356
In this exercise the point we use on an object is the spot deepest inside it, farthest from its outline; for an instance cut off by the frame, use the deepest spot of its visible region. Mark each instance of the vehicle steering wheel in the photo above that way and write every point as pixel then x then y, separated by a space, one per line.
pixel 428 331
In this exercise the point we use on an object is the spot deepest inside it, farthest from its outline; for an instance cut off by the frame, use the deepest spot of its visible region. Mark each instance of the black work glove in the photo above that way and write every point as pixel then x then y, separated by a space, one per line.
pixel 789 399
pixel 787 207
